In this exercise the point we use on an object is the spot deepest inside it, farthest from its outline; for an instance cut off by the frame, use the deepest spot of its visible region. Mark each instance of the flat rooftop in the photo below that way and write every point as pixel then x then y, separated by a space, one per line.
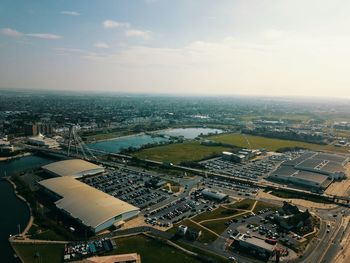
pixel 88 204
pixel 310 176
pixel 73 167
pixel 257 242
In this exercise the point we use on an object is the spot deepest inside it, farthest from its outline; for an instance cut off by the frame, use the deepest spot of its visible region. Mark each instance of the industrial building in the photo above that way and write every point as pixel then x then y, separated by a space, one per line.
pixel 43 141
pixel 88 205
pixel 214 195
pixel 312 169
pixel 242 156
pixel 73 167
pixel 258 245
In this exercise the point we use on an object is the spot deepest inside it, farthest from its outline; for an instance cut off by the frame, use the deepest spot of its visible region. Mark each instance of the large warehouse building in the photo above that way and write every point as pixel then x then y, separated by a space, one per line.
pixel 312 169
pixel 89 206
pixel 73 167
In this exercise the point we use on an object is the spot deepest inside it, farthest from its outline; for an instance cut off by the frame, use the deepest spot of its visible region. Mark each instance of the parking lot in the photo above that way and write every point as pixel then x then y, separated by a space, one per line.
pixel 260 226
pixel 252 170
pixel 235 188
pixel 129 186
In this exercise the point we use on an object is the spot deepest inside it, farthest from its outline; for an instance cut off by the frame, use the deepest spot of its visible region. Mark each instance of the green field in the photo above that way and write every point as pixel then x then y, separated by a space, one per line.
pixel 270 144
pixel 218 226
pixel 151 250
pixel 204 253
pixel 180 152
pixel 262 205
pixel 30 253
pixel 206 237
pixel 246 204
pixel 217 213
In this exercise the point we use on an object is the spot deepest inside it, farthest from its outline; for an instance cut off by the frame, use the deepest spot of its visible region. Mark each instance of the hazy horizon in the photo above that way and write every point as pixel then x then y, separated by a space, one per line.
pixel 236 48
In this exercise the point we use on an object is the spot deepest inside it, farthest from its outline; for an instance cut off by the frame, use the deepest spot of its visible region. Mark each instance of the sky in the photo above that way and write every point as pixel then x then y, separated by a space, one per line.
pixel 205 47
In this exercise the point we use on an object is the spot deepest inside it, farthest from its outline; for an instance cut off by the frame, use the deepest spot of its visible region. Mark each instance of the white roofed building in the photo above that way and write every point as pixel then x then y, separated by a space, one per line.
pixel 88 205
pixel 74 167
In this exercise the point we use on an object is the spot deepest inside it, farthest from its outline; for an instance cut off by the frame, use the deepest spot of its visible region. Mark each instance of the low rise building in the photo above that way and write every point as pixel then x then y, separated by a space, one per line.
pixel 73 167
pixel 88 205
pixel 256 245
pixel 214 195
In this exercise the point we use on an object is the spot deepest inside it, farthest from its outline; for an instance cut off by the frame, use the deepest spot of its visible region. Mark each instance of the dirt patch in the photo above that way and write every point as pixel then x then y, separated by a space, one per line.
pixel 300 202
pixel 340 188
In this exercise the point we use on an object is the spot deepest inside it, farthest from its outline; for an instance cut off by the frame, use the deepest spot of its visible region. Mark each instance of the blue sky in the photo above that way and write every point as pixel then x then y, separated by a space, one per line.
pixel 255 47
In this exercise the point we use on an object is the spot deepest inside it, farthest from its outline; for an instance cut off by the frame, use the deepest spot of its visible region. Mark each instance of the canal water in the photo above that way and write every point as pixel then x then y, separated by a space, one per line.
pixel 190 133
pixel 138 140
pixel 14 211
pixel 118 144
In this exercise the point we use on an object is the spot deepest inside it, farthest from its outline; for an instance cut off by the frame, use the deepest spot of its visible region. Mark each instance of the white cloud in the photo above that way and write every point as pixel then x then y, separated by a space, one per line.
pixel 11 32
pixel 44 36
pixel 101 45
pixel 14 33
pixel 115 24
pixel 138 33
pixel 70 13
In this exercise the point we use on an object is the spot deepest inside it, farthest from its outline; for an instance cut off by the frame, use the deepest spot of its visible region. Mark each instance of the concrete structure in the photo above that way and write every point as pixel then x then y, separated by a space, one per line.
pixel 214 195
pixel 89 206
pixel 5 147
pixel 124 258
pixel 312 169
pixel 308 179
pixel 238 158
pixel 73 167
pixel 258 245
pixel 43 141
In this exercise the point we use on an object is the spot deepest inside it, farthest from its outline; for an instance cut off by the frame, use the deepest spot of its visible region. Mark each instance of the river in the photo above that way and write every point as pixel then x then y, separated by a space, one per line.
pixel 17 212
pixel 138 140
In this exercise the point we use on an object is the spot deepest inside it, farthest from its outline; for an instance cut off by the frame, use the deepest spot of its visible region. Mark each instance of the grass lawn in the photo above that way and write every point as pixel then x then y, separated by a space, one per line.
pixel 207 254
pixel 151 250
pixel 52 253
pixel 179 152
pixel 262 205
pixel 206 237
pixel 245 204
pixel 48 235
pixel 290 195
pixel 270 144
pixel 216 213
pixel 218 226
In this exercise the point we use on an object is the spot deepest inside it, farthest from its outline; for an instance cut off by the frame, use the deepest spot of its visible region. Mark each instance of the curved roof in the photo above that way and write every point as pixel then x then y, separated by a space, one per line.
pixel 92 206
pixel 74 167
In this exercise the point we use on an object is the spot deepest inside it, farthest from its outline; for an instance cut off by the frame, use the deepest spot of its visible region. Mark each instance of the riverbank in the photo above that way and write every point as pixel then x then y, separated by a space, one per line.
pixel 16 213
pixel 6 159
pixel 31 218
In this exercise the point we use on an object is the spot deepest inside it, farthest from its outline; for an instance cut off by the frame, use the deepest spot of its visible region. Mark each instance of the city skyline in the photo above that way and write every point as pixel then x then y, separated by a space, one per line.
pixel 289 48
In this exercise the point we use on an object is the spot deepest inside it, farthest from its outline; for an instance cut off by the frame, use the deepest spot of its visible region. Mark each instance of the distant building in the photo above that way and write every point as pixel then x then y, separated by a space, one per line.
pixel 312 169
pixel 155 182
pixel 34 129
pixel 291 218
pixel 188 232
pixel 256 245
pixel 87 205
pixel 214 195
pixel 5 147
pixel 43 141
pixel 31 129
pixel 182 230
pixel 238 158
pixel 73 167
pixel 242 156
